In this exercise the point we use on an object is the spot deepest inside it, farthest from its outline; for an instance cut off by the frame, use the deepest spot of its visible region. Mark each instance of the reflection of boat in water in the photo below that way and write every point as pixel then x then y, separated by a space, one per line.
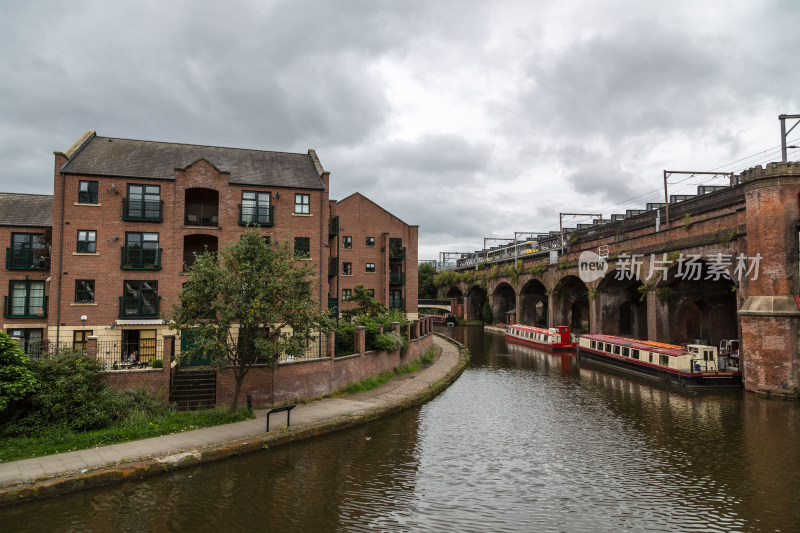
pixel 557 338
pixel 697 365
pixel 450 320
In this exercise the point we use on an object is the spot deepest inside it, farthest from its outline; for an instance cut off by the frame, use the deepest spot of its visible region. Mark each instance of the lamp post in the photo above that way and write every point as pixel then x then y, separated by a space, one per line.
pixel 84 318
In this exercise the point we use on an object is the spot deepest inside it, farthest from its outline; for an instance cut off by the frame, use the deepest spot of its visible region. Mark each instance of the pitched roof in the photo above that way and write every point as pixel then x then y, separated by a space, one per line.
pixel 26 209
pixel 128 158
pixel 357 194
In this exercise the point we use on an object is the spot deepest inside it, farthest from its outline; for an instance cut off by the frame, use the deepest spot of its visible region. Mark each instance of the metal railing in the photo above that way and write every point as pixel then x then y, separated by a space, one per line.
pixel 333 267
pixel 27 259
pixel 141 307
pixel 29 311
pixel 261 215
pixel 139 258
pixel 142 210
pixel 397 303
pixel 396 252
pixel 117 355
pixel 397 278
pixel 201 215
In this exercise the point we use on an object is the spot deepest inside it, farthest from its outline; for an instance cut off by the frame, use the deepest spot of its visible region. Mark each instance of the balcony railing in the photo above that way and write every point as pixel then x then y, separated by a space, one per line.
pixel 397 278
pixel 137 258
pixel 141 307
pixel 142 210
pixel 30 311
pixel 333 267
pixel 333 227
pixel 201 215
pixel 27 259
pixel 396 252
pixel 263 216
pixel 397 303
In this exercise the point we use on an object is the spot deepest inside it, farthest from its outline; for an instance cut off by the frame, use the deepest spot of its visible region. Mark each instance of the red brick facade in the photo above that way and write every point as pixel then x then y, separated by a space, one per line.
pixel 111 195
pixel 377 250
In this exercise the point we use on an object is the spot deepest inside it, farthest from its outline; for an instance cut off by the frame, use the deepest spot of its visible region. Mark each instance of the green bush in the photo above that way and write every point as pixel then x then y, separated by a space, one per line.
pixel 70 395
pixel 156 363
pixel 16 379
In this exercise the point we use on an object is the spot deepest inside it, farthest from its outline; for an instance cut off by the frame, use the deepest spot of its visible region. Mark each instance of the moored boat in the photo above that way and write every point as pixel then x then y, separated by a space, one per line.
pixel 557 338
pixel 696 365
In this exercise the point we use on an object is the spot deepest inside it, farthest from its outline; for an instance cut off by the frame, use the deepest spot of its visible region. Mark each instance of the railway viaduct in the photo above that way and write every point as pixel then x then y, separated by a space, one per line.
pixel 725 267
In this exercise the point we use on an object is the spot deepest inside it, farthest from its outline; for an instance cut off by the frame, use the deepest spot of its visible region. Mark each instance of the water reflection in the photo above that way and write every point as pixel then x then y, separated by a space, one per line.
pixel 524 441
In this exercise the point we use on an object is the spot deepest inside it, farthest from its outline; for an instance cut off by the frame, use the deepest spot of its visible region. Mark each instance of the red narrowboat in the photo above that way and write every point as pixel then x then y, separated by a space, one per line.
pixel 557 338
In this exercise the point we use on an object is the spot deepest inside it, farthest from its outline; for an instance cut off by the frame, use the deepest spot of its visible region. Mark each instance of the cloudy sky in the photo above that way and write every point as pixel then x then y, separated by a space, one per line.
pixel 469 118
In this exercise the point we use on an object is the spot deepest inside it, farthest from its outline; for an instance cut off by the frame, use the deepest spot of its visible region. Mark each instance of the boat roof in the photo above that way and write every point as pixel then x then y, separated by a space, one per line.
pixel 650 346
pixel 532 328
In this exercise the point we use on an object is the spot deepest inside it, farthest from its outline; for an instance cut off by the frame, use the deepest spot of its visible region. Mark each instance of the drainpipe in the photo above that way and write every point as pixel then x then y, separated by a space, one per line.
pixel 60 258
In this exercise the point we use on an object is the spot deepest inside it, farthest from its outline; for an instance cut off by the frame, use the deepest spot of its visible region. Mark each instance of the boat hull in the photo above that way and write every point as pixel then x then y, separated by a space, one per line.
pixel 556 347
pixel 685 379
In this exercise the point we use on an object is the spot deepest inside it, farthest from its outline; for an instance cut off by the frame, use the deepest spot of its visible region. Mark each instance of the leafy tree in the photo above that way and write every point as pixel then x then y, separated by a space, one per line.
pixel 254 303
pixel 367 304
pixel 487 312
pixel 16 379
pixel 426 288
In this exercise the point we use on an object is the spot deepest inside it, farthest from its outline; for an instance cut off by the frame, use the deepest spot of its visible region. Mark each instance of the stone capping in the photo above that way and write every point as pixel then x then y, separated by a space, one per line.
pixel 791 168
pixel 770 306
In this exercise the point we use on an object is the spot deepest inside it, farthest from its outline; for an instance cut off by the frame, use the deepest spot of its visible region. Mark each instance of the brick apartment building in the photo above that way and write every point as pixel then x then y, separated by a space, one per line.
pixel 106 254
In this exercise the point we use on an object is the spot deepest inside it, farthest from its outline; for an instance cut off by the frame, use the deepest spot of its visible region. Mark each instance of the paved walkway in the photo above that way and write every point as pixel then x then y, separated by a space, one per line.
pixel 173 449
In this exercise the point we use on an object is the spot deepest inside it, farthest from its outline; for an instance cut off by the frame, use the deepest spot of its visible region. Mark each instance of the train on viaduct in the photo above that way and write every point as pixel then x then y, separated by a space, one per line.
pixel 725 266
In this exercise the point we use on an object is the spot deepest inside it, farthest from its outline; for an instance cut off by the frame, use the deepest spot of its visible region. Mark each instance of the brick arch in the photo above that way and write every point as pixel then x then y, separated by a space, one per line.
pixel 476 296
pixel 571 303
pixel 533 304
pixel 620 307
pixel 504 299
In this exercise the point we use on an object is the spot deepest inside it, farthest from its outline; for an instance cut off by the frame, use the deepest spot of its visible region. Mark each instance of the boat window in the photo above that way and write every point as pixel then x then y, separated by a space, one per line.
pixel 626 352
pixel 707 355
pixel 594 344
pixel 664 360
pixel 616 349
pixel 651 357
pixel 636 354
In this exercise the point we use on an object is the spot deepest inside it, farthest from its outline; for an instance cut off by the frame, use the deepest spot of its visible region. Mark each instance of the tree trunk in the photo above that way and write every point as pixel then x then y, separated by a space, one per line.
pixel 237 387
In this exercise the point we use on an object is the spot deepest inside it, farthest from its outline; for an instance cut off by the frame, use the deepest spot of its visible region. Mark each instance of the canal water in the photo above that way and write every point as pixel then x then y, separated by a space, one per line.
pixel 523 441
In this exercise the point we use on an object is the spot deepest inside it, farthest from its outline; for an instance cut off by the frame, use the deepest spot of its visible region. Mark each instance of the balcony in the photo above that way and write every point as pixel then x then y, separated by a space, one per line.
pixel 140 307
pixel 333 267
pixel 27 259
pixel 261 216
pixel 27 311
pixel 333 227
pixel 142 210
pixel 397 303
pixel 201 215
pixel 138 258
pixel 397 278
pixel 396 252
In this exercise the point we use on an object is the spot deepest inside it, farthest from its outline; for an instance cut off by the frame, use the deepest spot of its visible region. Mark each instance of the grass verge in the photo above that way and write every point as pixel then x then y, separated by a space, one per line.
pixel 137 425
pixel 376 381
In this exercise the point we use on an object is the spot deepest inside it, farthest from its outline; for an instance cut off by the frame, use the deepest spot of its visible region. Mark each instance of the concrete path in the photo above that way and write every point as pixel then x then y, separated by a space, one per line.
pixel 174 449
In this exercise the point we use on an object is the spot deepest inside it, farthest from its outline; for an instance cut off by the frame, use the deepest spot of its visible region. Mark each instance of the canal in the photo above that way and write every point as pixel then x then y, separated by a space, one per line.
pixel 523 441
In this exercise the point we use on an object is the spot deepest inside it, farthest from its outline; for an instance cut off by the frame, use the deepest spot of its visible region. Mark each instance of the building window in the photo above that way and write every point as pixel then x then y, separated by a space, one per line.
pixel 141 251
pixel 140 299
pixel 27 299
pixel 143 203
pixel 371 292
pixel 30 340
pixel 87 192
pixel 256 208
pixel 396 299
pixel 370 267
pixel 87 241
pixel 79 338
pixel 84 291
pixel 346 293
pixel 302 204
pixel 347 242
pixel 370 243
pixel 302 248
pixel 28 252
pixel 138 347
pixel 347 269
